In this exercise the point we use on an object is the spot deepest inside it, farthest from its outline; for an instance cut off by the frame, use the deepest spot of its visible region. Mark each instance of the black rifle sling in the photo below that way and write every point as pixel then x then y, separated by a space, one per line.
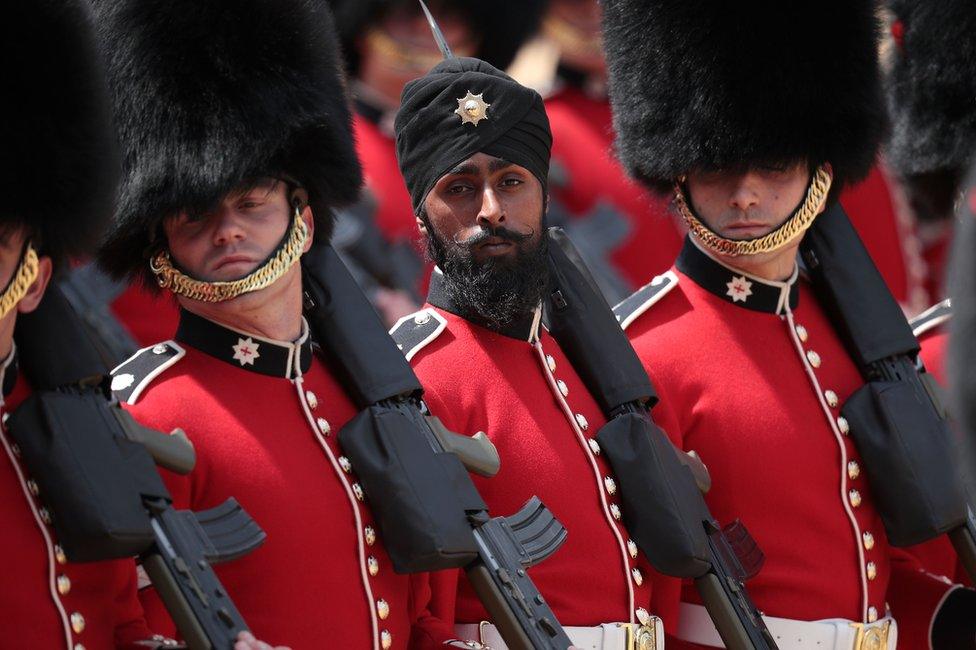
pixel 662 506
pixel 420 497
pixel 91 481
pixel 851 288
pixel 895 419
pixel 54 348
pixel 584 325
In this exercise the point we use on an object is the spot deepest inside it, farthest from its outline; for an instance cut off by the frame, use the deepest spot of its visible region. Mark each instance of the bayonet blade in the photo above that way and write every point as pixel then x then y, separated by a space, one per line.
pixel 436 31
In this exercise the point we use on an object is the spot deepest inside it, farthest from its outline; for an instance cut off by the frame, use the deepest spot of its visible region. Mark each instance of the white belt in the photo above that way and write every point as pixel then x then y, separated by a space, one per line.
pixel 695 626
pixel 609 636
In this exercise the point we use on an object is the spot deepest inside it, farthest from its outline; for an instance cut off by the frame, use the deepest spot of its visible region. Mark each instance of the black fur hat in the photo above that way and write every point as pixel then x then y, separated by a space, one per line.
pixel 58 162
pixel 502 25
pixel 711 84
pixel 209 94
pixel 932 86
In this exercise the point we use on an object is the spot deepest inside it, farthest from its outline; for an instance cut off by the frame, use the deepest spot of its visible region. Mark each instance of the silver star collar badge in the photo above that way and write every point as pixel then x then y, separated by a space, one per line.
pixel 472 108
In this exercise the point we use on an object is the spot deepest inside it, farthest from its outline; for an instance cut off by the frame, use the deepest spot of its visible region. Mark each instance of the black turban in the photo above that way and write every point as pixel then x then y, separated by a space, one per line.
pixel 431 137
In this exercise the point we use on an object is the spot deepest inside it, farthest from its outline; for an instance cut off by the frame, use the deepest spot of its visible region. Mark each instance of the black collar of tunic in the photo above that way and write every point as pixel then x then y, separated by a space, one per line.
pixel 523 329
pixel 734 286
pixel 243 350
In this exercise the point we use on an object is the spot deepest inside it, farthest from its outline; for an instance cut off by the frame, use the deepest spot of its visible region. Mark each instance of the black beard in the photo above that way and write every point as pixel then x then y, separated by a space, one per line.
pixel 498 291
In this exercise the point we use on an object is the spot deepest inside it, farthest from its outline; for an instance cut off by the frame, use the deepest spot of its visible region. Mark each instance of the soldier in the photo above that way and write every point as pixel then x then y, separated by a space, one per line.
pixel 59 174
pixel 930 90
pixel 474 148
pixel 237 144
pixel 753 126
pixel 387 43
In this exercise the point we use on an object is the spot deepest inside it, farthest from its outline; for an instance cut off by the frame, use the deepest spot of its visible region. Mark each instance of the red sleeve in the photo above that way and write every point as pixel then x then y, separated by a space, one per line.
pixel 130 621
pixel 915 597
pixel 180 489
pixel 433 599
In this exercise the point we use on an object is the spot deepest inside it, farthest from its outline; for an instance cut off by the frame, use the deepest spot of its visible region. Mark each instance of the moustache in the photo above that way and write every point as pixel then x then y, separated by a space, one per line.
pixel 500 232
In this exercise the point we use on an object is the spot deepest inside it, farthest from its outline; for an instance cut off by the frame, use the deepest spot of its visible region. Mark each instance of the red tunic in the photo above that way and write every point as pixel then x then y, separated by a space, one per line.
pixel 596 186
pixel 534 407
pixel 263 416
pixel 752 376
pixel 47 602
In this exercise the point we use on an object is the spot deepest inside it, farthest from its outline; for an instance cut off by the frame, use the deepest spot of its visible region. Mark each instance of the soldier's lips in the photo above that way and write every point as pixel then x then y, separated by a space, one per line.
pixel 495 246
pixel 232 260
pixel 746 229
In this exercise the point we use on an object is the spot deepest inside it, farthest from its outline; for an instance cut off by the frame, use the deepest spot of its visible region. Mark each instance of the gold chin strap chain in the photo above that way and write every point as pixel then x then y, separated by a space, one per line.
pixel 792 228
pixel 23 279
pixel 171 278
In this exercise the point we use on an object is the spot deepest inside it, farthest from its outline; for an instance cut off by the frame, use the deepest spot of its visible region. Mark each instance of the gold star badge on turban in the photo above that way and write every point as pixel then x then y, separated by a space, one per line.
pixel 472 109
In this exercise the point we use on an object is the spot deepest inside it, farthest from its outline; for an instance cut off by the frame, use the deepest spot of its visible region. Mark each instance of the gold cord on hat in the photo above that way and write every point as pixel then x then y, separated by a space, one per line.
pixel 24 277
pixel 790 229
pixel 169 277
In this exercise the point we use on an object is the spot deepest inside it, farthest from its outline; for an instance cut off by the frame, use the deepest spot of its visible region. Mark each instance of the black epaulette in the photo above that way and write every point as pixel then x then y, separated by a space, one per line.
pixel 131 377
pixel 641 300
pixel 931 317
pixel 411 333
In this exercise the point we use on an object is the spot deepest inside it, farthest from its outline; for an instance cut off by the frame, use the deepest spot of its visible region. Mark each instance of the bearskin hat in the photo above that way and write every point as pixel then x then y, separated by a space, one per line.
pixel 503 25
pixel 708 84
pixel 57 147
pixel 210 94
pixel 931 86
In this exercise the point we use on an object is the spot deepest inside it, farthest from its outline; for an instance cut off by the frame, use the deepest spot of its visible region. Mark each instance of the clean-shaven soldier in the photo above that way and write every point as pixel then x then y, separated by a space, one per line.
pixel 474 146
pixel 753 123
pixel 236 133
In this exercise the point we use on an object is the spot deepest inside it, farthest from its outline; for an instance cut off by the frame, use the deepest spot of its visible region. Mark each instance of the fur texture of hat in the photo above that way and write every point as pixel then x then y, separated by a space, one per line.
pixel 709 84
pixel 931 87
pixel 210 94
pixel 503 25
pixel 57 147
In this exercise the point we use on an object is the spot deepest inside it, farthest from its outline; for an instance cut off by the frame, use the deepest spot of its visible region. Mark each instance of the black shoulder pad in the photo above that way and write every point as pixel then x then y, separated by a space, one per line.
pixel 641 300
pixel 411 333
pixel 932 317
pixel 133 375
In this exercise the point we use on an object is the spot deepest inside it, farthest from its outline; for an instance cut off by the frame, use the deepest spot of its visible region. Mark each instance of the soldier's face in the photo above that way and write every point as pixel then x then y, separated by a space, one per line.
pixel 236 237
pixel 745 205
pixel 487 206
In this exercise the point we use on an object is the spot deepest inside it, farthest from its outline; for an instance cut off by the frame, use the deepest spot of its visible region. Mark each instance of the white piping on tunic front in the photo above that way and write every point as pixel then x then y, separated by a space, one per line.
pixel 299 382
pixel 843 460
pixel 568 412
pixel 52 581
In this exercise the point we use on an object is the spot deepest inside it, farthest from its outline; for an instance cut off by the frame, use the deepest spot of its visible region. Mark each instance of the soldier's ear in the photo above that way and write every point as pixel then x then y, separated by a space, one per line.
pixel 309 220
pixel 421 225
pixel 32 298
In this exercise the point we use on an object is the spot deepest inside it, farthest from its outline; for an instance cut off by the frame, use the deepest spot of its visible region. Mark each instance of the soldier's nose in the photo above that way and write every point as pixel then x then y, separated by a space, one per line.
pixel 491 213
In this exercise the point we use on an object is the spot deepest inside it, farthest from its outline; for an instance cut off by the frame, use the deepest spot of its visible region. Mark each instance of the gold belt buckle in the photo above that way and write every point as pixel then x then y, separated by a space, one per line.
pixel 871 637
pixel 641 637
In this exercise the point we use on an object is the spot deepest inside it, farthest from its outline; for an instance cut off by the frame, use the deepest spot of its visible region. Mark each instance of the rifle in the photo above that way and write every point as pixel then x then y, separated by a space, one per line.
pixel 90 293
pixel 96 468
pixel 661 498
pixel 414 470
pixel 896 419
